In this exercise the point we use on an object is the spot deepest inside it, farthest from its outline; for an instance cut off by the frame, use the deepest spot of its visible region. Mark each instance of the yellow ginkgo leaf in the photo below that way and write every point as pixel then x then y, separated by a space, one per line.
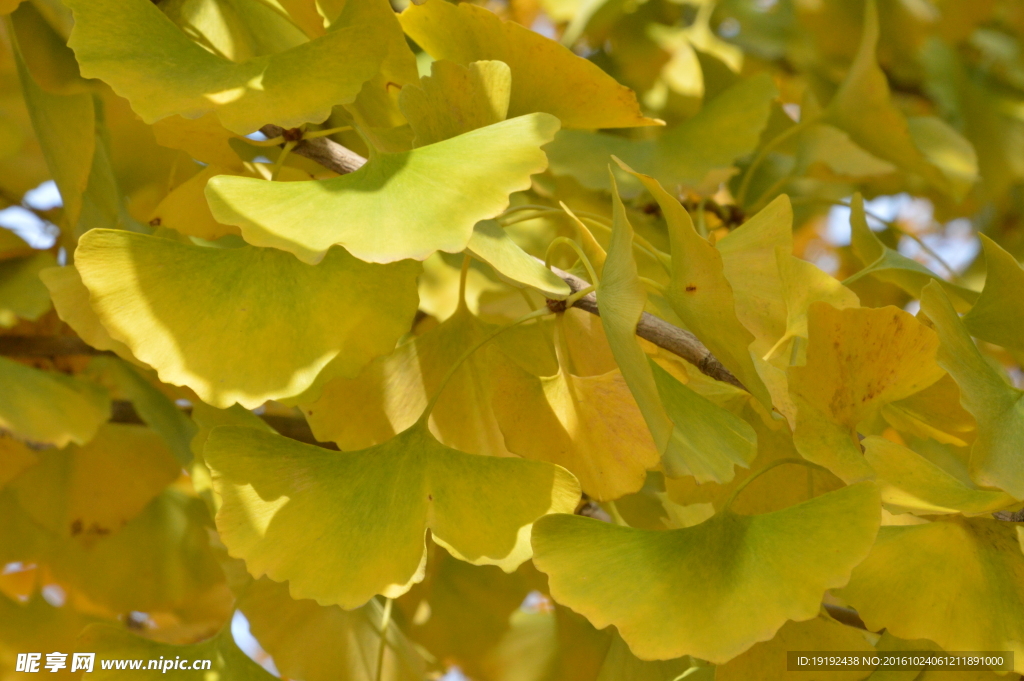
pixel 998 314
pixel 956 581
pixel 93 490
pixel 934 413
pixel 22 295
pixel 492 244
pixel 888 265
pixel 15 459
pixel 391 393
pixel 911 483
pixel 402 205
pixel 203 138
pixel 701 295
pixel 49 60
pixel 145 58
pixel 185 310
pixel 71 299
pixel 699 152
pixel 713 590
pixel 217 658
pixel 767 661
pixel 858 359
pixel 455 99
pixel 546 76
pixel 47 407
pixel 344 526
pixel 997 406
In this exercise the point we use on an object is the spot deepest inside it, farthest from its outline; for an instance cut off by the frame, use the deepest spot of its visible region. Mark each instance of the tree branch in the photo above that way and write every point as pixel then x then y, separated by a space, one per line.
pixel 340 159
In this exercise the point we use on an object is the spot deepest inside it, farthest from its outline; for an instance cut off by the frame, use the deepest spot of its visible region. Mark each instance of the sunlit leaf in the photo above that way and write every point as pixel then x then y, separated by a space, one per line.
pixel 48 407
pixel 998 314
pixel 713 590
pixel 492 244
pixel 955 581
pixel 363 515
pixel 404 205
pixel 185 310
pixel 71 299
pixel 455 99
pixel 546 76
pixel 135 48
pixel 858 359
pixel 997 406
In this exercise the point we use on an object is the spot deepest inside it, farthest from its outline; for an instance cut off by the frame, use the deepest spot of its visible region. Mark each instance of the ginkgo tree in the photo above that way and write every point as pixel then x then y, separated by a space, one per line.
pixel 528 340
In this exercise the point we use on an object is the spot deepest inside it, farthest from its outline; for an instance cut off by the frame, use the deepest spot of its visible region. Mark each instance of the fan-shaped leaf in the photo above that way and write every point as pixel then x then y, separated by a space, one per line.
pixel 998 314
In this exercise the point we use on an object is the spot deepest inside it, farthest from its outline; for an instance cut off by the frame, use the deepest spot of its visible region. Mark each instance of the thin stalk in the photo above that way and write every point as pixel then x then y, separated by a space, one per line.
pixel 579 252
pixel 288 146
pixel 385 620
pixel 583 292
pixel 763 152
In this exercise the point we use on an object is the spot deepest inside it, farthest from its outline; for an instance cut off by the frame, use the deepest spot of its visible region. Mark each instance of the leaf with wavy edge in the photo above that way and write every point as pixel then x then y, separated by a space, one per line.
pixel 404 205
pixel 138 51
pixel 712 590
pixel 956 581
pixel 998 314
pixel 546 76
pixel 71 300
pixel 997 406
pixel 343 527
pixel 51 408
pixel 22 295
pixel 491 244
pixel 187 310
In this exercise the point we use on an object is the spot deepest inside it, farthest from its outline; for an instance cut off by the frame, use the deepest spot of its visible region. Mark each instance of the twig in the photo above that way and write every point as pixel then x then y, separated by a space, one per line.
pixel 340 159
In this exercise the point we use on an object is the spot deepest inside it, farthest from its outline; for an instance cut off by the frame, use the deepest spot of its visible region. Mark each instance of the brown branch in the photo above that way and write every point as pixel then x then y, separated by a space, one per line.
pixel 45 346
pixel 327 153
pixel 340 159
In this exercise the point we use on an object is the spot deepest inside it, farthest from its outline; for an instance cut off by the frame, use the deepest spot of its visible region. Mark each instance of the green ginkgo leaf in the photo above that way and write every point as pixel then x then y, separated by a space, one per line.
pixel 22 295
pixel 956 581
pixel 342 527
pixel 888 265
pixel 140 53
pixel 185 310
pixel 546 76
pixel 998 314
pixel 713 590
pixel 455 99
pixel 47 407
pixel 93 490
pixel 492 244
pixel 402 205
pixel 997 406
pixel 226 660
pixel 702 296
pixel 911 483
pixel 71 299
pixel 699 151
pixel 15 459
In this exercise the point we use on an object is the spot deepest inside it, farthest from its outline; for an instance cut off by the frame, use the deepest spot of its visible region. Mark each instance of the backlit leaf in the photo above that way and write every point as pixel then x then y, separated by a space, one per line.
pixel 361 516
pixel 492 244
pixel 403 205
pixel 998 314
pixel 712 590
pixel 168 301
pixel 71 299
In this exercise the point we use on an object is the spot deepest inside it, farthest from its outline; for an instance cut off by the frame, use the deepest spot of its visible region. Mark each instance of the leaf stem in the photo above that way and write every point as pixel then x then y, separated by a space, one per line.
pixel 385 620
pixel 579 251
pixel 763 152
pixel 288 146
pixel 756 475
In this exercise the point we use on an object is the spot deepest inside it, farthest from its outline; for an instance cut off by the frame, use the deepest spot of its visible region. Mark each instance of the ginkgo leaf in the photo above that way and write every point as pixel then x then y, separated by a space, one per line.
pixel 364 514
pixel 997 406
pixel 93 490
pixel 911 483
pixel 691 153
pixel 712 590
pixel 226 660
pixel 998 314
pixel 71 299
pixel 830 146
pixel 22 295
pixel 390 394
pixel 749 264
pixel 15 459
pixel 48 407
pixel 858 359
pixel 955 581
pixel 49 60
pixel 934 413
pixel 546 76
pixel 822 634
pixel 885 264
pixel 403 205
pixel 322 643
pixel 161 560
pixel 203 138
pixel 492 244
pixel 455 99
pixel 589 424
pixel 185 310
pixel 145 58
pixel 701 295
